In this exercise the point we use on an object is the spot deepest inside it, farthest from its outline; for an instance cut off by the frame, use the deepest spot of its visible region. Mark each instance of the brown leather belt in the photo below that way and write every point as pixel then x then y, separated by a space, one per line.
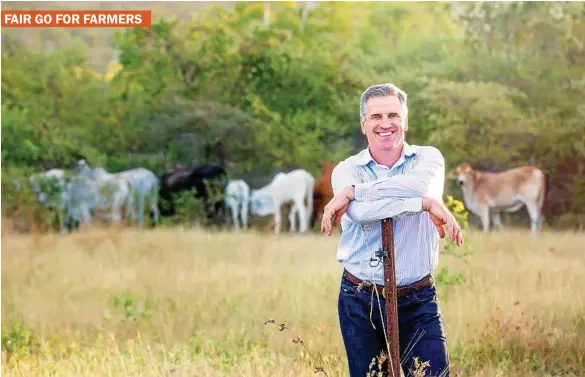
pixel 427 281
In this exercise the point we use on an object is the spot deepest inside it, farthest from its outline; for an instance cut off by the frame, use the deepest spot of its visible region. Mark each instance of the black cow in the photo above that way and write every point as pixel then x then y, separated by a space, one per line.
pixel 202 178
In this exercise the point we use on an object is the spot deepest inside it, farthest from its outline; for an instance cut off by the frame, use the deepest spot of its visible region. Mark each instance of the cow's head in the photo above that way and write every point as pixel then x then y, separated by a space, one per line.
pixel 261 203
pixel 81 165
pixel 461 173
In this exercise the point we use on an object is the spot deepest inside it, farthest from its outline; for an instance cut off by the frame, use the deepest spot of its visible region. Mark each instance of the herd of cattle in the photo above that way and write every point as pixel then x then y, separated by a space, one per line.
pixel 82 193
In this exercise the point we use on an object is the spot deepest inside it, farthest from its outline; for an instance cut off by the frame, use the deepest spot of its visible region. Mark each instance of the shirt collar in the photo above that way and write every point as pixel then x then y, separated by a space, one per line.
pixel 365 157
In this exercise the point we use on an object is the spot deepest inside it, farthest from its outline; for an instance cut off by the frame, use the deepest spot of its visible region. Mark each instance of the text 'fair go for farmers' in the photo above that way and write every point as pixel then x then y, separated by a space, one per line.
pixel 73 18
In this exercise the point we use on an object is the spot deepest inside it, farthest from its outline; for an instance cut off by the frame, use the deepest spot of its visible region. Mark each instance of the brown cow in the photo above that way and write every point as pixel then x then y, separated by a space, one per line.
pixel 504 191
pixel 322 193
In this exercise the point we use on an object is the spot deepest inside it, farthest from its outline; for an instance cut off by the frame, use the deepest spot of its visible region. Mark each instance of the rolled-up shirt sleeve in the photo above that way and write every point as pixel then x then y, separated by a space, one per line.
pixel 426 179
pixel 364 212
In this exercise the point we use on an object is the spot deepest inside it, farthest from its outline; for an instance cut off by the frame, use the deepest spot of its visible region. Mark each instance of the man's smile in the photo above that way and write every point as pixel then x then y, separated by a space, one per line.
pixel 385 133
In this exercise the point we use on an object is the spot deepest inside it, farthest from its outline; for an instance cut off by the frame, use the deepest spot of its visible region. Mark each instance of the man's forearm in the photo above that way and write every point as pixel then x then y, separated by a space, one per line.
pixel 398 187
pixel 368 212
pixel 343 183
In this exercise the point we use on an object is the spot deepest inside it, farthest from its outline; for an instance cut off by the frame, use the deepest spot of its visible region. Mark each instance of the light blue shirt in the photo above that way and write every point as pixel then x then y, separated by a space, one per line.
pixel 382 192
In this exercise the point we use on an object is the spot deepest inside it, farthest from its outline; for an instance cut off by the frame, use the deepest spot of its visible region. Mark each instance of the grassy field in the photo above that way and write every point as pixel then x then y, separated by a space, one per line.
pixel 189 303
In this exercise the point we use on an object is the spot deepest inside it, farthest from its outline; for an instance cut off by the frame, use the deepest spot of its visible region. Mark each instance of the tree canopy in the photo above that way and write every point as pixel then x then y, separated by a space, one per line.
pixel 496 84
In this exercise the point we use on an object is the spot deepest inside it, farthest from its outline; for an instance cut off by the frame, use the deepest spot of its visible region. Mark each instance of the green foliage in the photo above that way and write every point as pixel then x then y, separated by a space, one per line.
pixel 131 312
pixel 189 209
pixel 445 277
pixel 18 340
pixel 498 85
pixel 49 112
pixel 273 97
pixel 20 203
pixel 479 116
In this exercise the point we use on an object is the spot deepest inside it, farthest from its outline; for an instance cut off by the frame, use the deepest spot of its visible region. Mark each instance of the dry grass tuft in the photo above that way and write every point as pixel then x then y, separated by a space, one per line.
pixel 189 303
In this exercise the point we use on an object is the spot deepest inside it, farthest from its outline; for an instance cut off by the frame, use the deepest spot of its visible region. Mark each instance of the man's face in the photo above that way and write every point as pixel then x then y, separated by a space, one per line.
pixel 383 125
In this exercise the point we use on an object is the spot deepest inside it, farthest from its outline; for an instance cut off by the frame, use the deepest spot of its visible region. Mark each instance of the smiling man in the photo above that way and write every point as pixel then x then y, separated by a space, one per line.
pixel 390 179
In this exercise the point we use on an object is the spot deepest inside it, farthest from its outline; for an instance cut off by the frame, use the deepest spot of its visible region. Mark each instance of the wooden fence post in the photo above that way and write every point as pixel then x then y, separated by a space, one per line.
pixel 392 339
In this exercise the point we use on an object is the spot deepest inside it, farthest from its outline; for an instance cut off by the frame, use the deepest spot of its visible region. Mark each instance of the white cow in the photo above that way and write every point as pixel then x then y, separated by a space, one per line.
pixel 83 196
pixel 115 191
pixel 296 186
pixel 74 196
pixel 237 198
pixel 143 185
pixel 102 191
pixel 99 190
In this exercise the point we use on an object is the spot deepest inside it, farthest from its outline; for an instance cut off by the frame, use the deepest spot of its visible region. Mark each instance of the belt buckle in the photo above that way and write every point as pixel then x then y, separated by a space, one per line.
pixel 384 293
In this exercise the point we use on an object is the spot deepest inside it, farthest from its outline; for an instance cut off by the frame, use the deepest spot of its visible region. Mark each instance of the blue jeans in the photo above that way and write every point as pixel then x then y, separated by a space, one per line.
pixel 420 331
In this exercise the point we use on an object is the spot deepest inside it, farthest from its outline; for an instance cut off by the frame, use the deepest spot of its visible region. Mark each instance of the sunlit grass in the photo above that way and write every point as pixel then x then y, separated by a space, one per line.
pixel 190 303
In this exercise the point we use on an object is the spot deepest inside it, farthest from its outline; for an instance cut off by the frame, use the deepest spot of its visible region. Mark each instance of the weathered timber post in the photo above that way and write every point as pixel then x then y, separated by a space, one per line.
pixel 391 298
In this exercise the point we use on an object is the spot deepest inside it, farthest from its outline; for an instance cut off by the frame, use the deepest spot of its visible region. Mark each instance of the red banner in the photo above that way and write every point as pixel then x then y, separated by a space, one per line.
pixel 76 18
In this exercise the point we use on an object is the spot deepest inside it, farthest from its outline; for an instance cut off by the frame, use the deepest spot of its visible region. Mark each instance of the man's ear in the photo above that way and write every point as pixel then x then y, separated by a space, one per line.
pixel 406 125
pixel 363 125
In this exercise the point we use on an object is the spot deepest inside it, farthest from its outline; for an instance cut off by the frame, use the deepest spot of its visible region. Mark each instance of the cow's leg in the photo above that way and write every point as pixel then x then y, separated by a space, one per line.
pixel 141 200
pixel 277 221
pixel 305 219
pixel 154 205
pixel 118 203
pixel 235 215
pixel 292 218
pixel 244 214
pixel 277 215
pixel 534 217
pixel 485 218
pixel 303 216
pixel 301 211
pixel 497 216
pixel 85 216
pixel 130 210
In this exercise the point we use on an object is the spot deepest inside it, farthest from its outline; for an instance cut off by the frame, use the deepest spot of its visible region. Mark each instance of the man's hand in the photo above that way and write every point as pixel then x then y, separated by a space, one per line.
pixel 335 209
pixel 440 216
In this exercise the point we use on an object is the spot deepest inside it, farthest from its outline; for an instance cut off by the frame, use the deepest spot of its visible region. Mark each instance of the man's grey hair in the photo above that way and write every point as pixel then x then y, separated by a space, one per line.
pixel 383 90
